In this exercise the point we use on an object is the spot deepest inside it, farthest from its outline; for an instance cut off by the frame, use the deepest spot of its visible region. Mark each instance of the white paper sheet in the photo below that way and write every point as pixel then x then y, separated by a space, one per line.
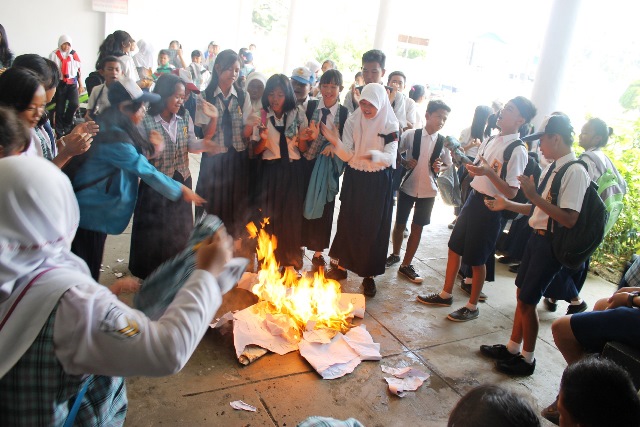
pixel 404 379
pixel 239 404
pixel 250 328
pixel 358 302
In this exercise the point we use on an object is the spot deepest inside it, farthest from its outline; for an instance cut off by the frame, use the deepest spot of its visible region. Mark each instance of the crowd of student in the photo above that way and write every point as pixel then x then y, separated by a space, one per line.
pixel 269 149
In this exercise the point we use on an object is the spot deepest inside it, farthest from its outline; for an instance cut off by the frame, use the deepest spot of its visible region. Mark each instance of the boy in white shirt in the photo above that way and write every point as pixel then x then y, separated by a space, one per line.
pixel 110 70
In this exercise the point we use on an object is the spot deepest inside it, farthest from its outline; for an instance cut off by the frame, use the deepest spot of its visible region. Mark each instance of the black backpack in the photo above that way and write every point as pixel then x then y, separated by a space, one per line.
pixel 93 79
pixel 343 113
pixel 415 153
pixel 532 169
pixel 573 246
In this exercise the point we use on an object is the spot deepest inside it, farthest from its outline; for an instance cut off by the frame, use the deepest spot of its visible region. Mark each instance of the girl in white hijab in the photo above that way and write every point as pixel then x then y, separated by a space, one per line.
pixel 369 145
pixel 58 326
pixel 145 59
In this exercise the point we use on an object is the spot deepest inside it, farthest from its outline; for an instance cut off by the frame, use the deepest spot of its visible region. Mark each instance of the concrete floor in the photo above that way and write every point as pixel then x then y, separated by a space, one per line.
pixel 286 390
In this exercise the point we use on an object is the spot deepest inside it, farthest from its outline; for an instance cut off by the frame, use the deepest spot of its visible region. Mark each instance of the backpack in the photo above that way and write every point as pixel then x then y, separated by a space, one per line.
pixel 93 79
pixel 611 188
pixel 573 246
pixel 532 169
pixel 415 153
pixel 343 113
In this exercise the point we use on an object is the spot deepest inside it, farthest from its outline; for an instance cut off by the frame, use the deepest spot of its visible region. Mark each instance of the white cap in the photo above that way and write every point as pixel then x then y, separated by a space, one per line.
pixel 64 39
pixel 313 65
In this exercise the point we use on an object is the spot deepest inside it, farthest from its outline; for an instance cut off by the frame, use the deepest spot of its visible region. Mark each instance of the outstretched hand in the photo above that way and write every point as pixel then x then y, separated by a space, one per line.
pixel 528 186
pixel 497 204
pixel 331 133
pixel 481 169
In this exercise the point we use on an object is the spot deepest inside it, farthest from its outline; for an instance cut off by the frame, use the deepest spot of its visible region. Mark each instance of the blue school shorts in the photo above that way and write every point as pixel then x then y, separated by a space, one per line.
pixel 422 213
pixel 538 268
pixel 595 328
pixel 476 231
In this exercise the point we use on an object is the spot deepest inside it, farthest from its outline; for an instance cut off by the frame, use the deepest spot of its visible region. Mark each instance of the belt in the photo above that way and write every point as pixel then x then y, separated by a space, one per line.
pixel 484 196
pixel 541 232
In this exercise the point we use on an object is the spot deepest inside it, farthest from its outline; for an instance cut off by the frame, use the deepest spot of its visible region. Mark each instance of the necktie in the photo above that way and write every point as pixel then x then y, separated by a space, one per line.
pixel 284 148
pixel 546 178
pixel 325 113
pixel 227 130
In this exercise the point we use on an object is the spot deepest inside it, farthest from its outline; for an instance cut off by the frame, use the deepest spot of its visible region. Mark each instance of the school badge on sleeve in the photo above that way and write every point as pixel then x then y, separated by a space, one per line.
pixel 118 325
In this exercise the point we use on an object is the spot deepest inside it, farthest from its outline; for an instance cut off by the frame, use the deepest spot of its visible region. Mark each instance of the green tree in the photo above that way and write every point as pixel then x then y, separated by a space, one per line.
pixel 630 99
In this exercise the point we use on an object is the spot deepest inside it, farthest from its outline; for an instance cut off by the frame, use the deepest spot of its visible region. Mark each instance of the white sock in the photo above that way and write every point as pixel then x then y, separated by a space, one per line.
pixel 468 280
pixel 471 307
pixel 528 356
pixel 513 347
pixel 551 300
pixel 576 302
pixel 445 295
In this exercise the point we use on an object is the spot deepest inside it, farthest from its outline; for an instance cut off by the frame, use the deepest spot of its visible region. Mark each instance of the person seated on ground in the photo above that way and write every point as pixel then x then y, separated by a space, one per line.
pixel 81 339
pixel 595 392
pixel 492 406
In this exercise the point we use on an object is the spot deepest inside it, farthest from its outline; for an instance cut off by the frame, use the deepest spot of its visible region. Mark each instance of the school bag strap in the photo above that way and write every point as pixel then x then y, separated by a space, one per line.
pixel 437 151
pixel 312 104
pixel 508 152
pixel 417 142
pixel 556 183
pixel 343 114
pixel 389 137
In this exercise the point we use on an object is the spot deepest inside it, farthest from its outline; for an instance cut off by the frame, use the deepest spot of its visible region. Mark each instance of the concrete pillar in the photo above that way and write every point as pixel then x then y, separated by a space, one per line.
pixel 554 57
pixel 244 28
pixel 385 38
pixel 294 40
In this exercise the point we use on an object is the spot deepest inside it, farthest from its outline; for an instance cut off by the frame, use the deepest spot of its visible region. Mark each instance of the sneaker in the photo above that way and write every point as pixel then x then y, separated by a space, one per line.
pixel 516 366
pixel 497 352
pixel 369 286
pixel 317 262
pixel 410 273
pixel 550 305
pixel 335 273
pixel 467 288
pixel 463 314
pixel 573 309
pixel 392 259
pixel 514 268
pixel 435 299
pixel 551 413
pixel 405 233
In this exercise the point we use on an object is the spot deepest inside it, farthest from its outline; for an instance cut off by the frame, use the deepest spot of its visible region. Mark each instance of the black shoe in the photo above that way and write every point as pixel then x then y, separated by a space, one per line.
pixel 507 260
pixel 410 273
pixel 463 314
pixel 550 305
pixel 516 366
pixel 335 273
pixel 497 352
pixel 551 413
pixel 317 262
pixel 514 268
pixel 392 259
pixel 369 286
pixel 435 299
pixel 573 309
pixel 467 288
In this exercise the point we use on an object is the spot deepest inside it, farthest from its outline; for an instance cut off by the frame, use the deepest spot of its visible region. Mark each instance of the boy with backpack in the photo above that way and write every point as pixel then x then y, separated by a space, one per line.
pixel 425 158
pixel 557 205
pixel 473 239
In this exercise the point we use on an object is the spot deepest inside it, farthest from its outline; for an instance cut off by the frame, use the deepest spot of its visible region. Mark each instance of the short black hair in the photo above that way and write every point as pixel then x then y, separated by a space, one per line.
pixel 196 54
pixel 164 52
pixel 490 405
pixel 18 85
pixel 397 73
pixel 375 55
pixel 110 58
pixel 165 87
pixel 331 76
pixel 333 64
pixel 436 105
pixel 597 392
pixel 49 75
pixel 14 135
pixel 279 81
pixel 417 91
pixel 525 107
pixel 601 129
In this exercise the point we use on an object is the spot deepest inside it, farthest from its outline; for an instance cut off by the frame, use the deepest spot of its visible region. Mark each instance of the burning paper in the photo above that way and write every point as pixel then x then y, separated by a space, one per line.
pixel 406 379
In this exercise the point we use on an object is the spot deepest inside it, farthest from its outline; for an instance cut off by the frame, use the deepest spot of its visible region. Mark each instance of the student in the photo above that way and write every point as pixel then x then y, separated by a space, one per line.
pixel 419 186
pixel 78 327
pixel 539 265
pixel 144 59
pixel 247 65
pixel 404 109
pixel 302 81
pixel 492 406
pixel 373 62
pixel 176 55
pixel 255 88
pixel 111 71
pixel 119 44
pixel 14 136
pixel 418 93
pixel 162 226
pixel 164 67
pixel 327 65
pixel 106 183
pixel 474 236
pixel 322 171
pixel 282 176
pixel 6 56
pixel 210 55
pixel 223 180
pixel 199 74
pixel 369 145
pixel 69 87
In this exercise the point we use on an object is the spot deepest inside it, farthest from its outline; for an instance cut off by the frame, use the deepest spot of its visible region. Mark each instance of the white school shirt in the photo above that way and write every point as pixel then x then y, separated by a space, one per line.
pixel 421 183
pixel 171 127
pixel 96 333
pixel 399 108
pixel 571 194
pixel 273 136
pixel 99 97
pixel 591 166
pixel 246 107
pixel 129 68
pixel 411 112
pixel 465 140
pixel 492 149
pixel 382 155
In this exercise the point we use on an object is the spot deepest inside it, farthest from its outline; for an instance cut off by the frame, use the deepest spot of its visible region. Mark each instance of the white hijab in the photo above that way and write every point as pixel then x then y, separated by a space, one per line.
pixel 366 131
pixel 144 58
pixel 38 219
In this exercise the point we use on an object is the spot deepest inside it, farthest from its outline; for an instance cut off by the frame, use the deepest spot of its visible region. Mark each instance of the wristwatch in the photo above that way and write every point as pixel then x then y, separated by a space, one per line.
pixel 632 295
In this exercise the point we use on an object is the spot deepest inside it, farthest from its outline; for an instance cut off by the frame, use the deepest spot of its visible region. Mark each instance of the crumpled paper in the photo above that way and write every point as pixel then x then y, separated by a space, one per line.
pixel 249 327
pixel 342 354
pixel 404 379
pixel 239 404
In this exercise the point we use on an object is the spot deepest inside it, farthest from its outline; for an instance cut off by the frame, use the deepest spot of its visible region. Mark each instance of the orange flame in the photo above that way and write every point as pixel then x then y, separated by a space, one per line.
pixel 312 303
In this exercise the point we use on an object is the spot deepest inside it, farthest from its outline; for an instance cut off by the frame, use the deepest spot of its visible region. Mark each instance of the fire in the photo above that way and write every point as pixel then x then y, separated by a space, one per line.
pixel 312 303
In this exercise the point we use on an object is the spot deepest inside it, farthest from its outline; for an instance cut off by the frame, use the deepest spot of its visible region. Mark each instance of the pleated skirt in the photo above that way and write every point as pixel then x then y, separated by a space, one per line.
pixel 316 233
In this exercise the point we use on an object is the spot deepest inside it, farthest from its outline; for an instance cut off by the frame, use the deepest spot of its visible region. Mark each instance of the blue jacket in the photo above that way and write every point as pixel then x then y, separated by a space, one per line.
pixel 323 185
pixel 108 205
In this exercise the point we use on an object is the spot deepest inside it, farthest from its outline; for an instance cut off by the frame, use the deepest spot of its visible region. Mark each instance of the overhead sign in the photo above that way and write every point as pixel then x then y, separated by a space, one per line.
pixel 111 6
